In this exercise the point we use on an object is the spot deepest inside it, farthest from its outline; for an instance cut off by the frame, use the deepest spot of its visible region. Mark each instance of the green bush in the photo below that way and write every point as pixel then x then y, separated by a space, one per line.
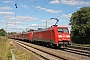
pixel 80 26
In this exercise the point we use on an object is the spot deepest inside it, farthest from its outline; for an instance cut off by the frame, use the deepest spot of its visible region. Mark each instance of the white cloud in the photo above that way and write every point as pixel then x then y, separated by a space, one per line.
pixel 65 16
pixel 49 22
pixel 9 17
pixel 48 10
pixel 24 6
pixel 75 2
pixel 26 18
pixel 34 24
pixel 11 24
pixel 16 28
pixel 7 1
pixel 79 7
pixel 14 23
pixel 1 21
pixel 7 13
pixel 54 2
pixel 5 8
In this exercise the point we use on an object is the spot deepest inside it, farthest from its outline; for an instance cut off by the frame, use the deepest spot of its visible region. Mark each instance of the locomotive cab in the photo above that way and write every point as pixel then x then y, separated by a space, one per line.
pixel 62 36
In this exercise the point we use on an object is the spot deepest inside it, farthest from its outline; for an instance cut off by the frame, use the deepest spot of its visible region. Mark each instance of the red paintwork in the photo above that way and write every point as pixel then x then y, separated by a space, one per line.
pixel 28 36
pixel 14 36
pixel 20 36
pixel 43 35
pixel 48 35
pixel 25 35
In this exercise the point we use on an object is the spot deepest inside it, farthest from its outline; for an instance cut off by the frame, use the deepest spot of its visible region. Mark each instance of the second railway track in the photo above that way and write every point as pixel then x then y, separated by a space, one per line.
pixel 46 53
pixel 84 52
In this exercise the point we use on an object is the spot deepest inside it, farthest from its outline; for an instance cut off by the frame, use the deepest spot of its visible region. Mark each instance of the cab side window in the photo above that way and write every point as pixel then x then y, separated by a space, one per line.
pixel 52 31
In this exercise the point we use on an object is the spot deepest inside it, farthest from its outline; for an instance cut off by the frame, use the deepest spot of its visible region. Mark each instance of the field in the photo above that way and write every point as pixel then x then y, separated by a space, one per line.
pixel 6 45
pixel 5 49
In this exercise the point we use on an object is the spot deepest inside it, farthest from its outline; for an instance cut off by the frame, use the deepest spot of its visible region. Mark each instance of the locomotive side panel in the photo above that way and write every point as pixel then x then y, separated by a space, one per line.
pixel 26 36
pixel 20 37
pixel 30 36
pixel 45 36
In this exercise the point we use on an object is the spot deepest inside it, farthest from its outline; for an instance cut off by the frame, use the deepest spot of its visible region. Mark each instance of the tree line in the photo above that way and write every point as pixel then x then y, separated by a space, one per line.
pixel 4 33
pixel 80 26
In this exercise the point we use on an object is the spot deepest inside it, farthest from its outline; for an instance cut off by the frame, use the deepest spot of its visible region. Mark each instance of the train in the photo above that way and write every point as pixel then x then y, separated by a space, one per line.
pixel 53 36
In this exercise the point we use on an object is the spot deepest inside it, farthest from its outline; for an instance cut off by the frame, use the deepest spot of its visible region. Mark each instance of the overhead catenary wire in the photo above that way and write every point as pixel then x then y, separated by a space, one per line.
pixel 71 11
pixel 51 13
pixel 57 9
pixel 65 13
pixel 38 9
pixel 30 7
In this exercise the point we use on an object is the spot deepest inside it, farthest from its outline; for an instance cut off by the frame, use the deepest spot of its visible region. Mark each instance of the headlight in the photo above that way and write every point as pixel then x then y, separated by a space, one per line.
pixel 68 36
pixel 60 36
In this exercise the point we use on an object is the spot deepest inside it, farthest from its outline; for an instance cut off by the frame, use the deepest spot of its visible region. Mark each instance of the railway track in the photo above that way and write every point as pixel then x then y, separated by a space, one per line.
pixel 84 51
pixel 46 53
pixel 41 53
pixel 79 47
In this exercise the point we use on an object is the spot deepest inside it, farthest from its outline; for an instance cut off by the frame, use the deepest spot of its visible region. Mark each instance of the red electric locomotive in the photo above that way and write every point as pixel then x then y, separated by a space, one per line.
pixel 55 35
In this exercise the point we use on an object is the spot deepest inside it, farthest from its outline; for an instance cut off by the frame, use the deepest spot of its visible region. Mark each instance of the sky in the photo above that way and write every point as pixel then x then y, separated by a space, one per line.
pixel 22 15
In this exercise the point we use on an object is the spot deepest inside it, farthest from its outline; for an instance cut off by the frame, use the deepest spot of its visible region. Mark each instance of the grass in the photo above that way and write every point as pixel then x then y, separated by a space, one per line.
pixel 83 45
pixel 5 49
pixel 20 54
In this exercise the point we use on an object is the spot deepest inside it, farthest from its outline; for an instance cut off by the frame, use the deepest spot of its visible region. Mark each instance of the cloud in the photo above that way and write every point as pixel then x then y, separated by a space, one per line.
pixel 54 2
pixel 24 6
pixel 48 10
pixel 11 24
pixel 34 24
pixel 16 28
pixel 7 13
pixel 7 1
pixel 9 17
pixel 37 26
pixel 1 21
pixel 26 18
pixel 5 8
pixel 14 23
pixel 74 2
pixel 49 22
pixel 65 16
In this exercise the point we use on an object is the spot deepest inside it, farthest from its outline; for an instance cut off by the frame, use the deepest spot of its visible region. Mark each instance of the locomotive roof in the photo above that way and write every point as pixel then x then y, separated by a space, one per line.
pixel 25 32
pixel 59 26
pixel 41 29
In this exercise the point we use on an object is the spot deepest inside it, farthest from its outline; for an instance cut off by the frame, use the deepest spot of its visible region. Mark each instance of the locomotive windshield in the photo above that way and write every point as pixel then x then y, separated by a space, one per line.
pixel 63 30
